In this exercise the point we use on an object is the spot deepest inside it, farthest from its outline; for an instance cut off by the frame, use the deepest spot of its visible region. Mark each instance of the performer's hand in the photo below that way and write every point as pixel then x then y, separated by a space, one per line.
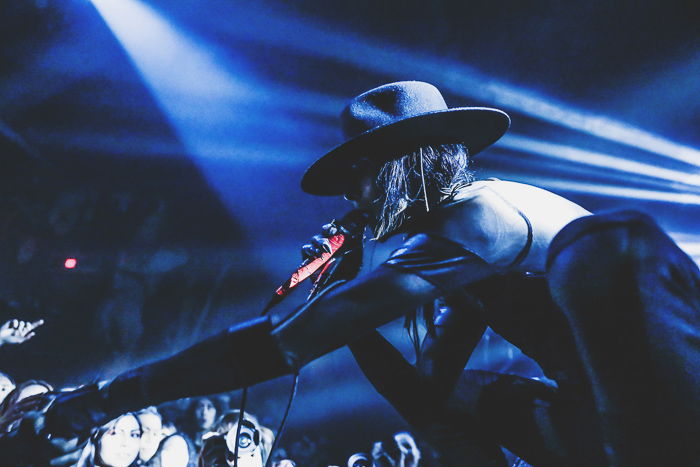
pixel 16 332
pixel 319 243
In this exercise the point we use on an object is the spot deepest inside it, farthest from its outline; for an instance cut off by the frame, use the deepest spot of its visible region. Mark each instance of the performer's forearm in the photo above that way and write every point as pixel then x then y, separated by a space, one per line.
pixel 444 354
pixel 240 356
pixel 340 316
pixel 390 374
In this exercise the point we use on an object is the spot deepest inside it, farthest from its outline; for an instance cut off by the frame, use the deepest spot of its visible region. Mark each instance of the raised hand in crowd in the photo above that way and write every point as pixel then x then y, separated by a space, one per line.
pixel 400 451
pixel 16 331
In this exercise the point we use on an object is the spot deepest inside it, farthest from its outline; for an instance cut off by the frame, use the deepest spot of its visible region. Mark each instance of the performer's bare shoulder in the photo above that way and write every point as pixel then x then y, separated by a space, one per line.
pixel 490 217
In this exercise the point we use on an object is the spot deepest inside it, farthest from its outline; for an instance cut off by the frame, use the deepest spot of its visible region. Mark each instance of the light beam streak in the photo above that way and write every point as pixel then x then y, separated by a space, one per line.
pixel 192 81
pixel 595 159
pixel 386 58
pixel 598 189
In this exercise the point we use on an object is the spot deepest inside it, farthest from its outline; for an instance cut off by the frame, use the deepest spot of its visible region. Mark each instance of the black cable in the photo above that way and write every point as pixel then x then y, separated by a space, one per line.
pixel 292 395
pixel 316 292
pixel 244 396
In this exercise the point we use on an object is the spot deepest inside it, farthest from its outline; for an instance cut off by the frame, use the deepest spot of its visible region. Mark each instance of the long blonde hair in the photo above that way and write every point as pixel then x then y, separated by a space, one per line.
pixel 418 181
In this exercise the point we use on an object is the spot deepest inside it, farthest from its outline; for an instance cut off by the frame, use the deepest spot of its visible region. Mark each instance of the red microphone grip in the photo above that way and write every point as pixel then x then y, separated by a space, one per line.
pixel 307 269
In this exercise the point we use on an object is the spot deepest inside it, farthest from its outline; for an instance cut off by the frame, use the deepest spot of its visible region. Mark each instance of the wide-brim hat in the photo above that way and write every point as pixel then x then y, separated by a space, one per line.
pixel 395 119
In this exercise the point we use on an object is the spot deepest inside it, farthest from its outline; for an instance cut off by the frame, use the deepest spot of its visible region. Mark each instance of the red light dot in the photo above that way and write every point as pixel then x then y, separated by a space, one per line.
pixel 70 263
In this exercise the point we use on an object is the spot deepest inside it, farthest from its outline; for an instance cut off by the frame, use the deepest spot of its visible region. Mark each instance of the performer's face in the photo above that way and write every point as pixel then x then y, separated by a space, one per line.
pixel 363 192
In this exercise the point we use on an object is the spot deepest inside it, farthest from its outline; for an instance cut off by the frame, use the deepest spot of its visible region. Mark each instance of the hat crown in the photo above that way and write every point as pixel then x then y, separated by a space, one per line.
pixel 388 104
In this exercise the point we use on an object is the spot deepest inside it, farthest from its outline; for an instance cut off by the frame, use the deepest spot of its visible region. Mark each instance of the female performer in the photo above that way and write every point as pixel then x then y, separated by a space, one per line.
pixel 606 304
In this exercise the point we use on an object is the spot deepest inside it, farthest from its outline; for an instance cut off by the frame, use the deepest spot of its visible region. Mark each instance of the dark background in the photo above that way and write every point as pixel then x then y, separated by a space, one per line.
pixel 169 137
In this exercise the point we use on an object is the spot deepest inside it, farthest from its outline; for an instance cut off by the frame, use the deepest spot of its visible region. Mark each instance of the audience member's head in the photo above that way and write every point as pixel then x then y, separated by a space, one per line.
pixel 284 463
pixel 6 385
pixel 115 444
pixel 202 414
pixel 151 432
pixel 230 420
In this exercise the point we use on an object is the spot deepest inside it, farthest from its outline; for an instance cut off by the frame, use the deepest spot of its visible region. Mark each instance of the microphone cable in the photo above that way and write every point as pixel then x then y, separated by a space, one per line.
pixel 282 424
pixel 351 225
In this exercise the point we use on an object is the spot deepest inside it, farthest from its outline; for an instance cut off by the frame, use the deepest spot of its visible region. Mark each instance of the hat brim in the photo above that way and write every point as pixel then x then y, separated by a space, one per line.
pixel 475 127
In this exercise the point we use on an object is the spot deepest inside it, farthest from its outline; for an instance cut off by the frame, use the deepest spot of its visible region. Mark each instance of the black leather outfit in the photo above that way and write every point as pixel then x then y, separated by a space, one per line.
pixel 615 322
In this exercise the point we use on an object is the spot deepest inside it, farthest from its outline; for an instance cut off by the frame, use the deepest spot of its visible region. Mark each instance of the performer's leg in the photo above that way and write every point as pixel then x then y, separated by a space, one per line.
pixel 632 299
pixel 541 424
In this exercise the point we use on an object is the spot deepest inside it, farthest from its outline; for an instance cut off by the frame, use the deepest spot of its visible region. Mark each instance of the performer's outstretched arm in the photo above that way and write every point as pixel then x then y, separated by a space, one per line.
pixel 423 269
pixel 459 327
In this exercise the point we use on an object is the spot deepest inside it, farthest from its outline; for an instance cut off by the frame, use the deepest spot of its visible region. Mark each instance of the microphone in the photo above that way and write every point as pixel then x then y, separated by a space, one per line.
pixel 348 227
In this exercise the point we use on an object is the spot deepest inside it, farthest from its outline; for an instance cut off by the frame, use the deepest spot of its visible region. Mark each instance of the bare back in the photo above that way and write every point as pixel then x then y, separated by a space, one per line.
pixel 490 218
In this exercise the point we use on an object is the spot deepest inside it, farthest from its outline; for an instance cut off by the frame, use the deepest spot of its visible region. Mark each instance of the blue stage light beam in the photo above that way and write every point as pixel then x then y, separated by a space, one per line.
pixel 550 110
pixel 209 97
pixel 329 41
pixel 161 52
pixel 614 191
pixel 690 243
pixel 218 106
pixel 218 91
pixel 677 179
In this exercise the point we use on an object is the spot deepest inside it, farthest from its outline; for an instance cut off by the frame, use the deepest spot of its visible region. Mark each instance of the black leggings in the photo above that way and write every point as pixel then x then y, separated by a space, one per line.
pixel 632 301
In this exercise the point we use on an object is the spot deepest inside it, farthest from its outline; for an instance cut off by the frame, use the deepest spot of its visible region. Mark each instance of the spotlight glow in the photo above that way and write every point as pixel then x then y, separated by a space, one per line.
pixel 172 64
pixel 455 77
pixel 595 159
pixel 218 106
pixel 221 108
pixel 599 189
pixel 596 125
pixel 690 243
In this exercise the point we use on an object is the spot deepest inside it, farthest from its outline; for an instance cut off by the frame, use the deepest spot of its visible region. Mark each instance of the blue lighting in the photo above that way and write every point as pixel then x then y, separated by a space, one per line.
pixel 598 160
pixel 218 107
pixel 320 40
